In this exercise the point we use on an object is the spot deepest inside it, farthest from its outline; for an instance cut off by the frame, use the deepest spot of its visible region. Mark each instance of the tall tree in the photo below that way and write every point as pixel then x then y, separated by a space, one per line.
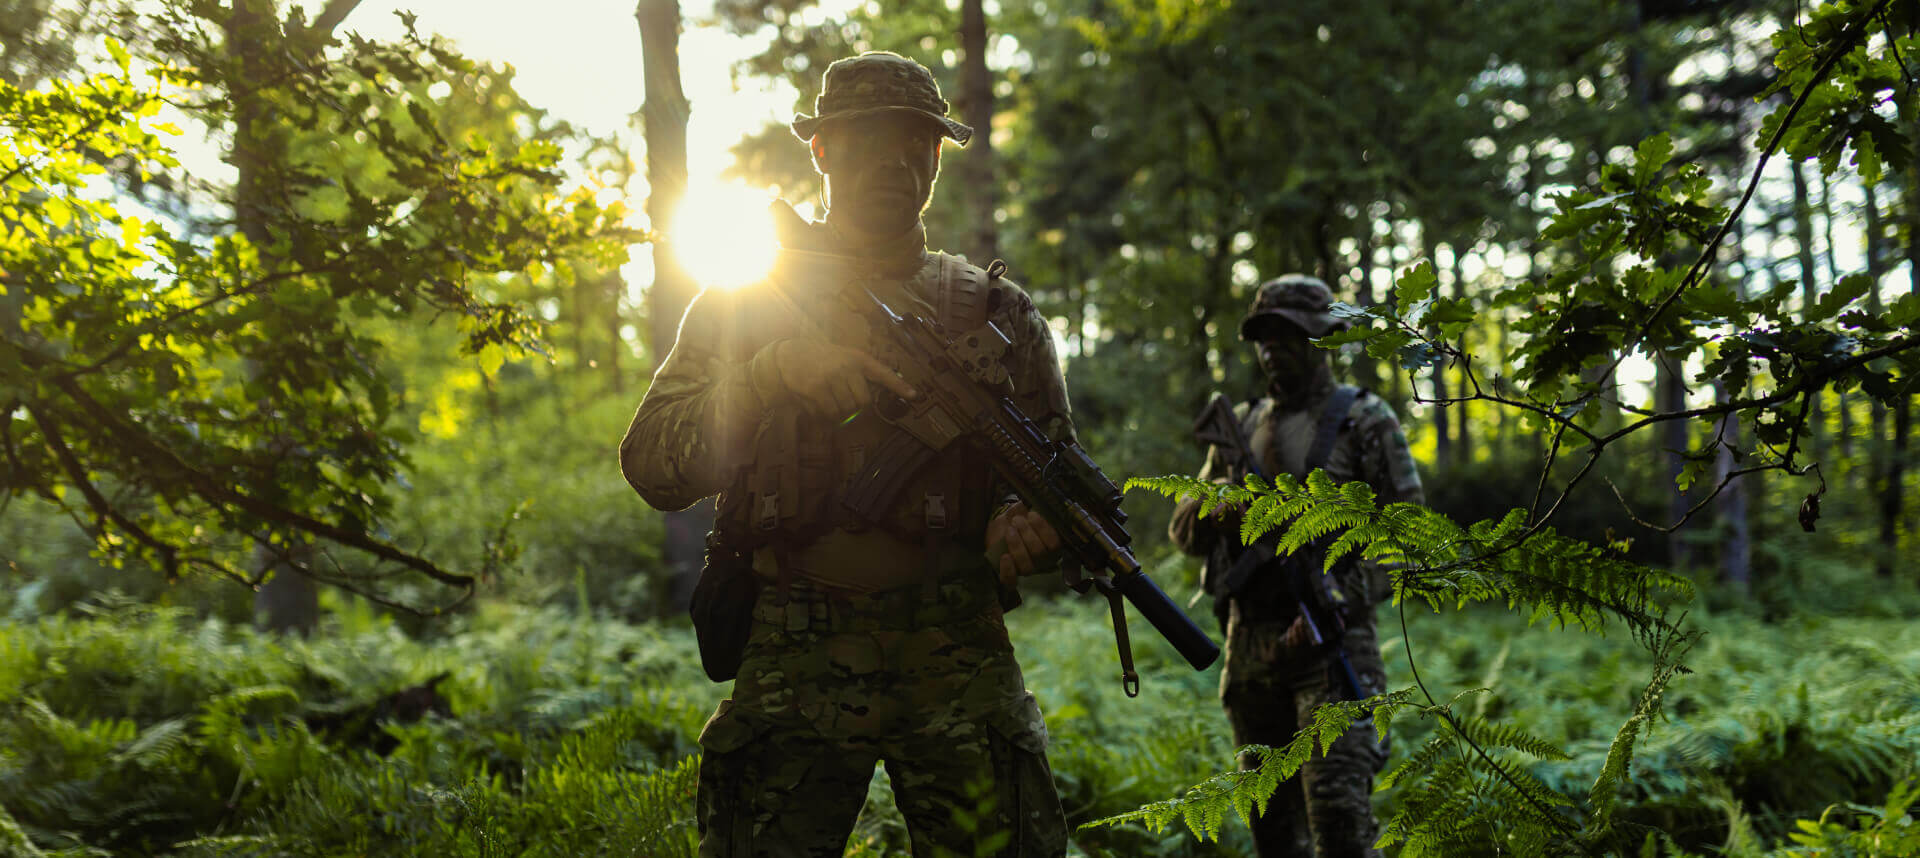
pixel 286 601
pixel 1880 460
pixel 976 106
pixel 228 388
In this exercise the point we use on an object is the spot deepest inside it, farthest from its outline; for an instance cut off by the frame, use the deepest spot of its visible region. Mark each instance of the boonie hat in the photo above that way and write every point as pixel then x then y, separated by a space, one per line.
pixel 878 82
pixel 1299 299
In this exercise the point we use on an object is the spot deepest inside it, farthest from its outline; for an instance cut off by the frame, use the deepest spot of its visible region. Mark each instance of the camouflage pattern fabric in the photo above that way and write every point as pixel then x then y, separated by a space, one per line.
pixel 876 81
pixel 1300 299
pixel 1269 689
pixel 919 677
pixel 698 421
pixel 789 756
pixel 1325 811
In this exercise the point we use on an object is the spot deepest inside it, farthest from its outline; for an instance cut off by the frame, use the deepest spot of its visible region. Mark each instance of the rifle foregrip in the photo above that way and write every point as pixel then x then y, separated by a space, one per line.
pixel 1167 618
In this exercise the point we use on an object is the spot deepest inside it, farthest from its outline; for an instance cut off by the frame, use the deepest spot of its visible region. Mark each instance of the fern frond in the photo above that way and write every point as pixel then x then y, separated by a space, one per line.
pixel 1417 763
pixel 1506 736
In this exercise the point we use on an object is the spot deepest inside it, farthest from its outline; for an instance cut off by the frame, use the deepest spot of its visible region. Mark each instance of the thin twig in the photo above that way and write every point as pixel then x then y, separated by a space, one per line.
pixel 1697 272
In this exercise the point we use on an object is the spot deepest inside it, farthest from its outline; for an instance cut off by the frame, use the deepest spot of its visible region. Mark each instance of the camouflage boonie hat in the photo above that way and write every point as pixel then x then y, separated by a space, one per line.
pixel 1304 301
pixel 876 82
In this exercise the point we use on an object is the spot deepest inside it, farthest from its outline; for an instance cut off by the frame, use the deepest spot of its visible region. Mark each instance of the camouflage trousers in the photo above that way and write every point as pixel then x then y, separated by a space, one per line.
pixel 1325 810
pixel 823 695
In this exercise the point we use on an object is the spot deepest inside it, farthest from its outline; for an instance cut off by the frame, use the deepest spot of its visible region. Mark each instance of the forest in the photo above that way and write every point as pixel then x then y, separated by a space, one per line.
pixel 320 329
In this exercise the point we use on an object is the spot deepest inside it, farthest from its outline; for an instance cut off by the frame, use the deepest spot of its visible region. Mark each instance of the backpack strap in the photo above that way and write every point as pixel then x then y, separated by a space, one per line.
pixel 1327 433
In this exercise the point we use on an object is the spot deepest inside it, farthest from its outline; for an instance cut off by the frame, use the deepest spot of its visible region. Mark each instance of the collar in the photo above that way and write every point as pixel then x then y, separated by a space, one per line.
pixel 900 254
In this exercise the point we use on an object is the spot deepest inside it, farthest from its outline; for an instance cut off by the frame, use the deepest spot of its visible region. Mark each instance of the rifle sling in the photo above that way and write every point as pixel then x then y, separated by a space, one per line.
pixel 1327 433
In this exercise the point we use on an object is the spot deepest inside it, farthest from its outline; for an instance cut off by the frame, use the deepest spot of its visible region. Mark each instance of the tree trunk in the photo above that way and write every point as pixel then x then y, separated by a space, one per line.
pixel 286 600
pixel 1809 289
pixel 615 289
pixel 1463 449
pixel 1442 414
pixel 976 105
pixel 1879 463
pixel 1366 371
pixel 1844 455
pixel 1892 492
pixel 665 117
pixel 1400 399
pixel 1670 394
pixel 1736 543
pixel 1735 552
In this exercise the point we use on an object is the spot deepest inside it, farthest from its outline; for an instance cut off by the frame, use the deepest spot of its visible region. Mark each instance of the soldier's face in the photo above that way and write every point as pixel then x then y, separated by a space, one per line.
pixel 880 169
pixel 1286 353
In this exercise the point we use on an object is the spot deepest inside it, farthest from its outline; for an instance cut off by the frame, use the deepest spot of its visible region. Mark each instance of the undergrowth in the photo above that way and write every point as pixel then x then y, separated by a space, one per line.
pixel 143 732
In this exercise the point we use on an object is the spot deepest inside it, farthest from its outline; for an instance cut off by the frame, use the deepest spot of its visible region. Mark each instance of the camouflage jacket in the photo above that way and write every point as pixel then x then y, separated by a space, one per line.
pixel 1371 448
pixel 701 429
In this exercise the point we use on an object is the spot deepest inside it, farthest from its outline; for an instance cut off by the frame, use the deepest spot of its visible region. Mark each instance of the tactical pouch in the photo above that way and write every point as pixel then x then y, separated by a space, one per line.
pixel 722 608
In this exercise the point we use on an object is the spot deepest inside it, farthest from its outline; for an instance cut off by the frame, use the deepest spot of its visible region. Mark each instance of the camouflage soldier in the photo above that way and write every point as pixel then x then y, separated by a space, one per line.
pixel 1273 678
pixel 872 636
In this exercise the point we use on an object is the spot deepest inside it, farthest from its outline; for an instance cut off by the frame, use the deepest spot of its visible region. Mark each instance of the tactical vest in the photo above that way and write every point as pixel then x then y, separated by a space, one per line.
pixel 796 486
pixel 1265 596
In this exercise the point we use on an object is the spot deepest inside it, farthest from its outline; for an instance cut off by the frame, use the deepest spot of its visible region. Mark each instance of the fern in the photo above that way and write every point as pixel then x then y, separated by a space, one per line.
pixel 1435 559
pixel 1204 806
pixel 1465 786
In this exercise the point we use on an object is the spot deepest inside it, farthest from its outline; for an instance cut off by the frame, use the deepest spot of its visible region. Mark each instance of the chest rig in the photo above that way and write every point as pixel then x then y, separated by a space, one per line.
pixel 809 475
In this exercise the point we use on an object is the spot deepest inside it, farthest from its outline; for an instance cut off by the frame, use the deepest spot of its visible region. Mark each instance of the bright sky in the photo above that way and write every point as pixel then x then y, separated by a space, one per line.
pixel 581 61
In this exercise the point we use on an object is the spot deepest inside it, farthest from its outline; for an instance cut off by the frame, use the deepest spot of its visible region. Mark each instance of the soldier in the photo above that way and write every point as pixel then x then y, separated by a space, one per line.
pixel 873 630
pixel 1273 677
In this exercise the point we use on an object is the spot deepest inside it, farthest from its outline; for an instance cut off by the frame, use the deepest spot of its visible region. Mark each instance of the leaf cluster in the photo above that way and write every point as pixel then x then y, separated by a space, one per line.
pixel 192 393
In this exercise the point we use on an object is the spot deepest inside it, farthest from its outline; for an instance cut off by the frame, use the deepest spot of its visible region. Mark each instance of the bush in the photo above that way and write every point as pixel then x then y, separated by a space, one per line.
pixel 148 731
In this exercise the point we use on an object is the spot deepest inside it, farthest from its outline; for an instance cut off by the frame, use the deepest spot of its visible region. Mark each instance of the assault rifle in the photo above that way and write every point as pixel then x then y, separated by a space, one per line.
pixel 961 383
pixel 1232 568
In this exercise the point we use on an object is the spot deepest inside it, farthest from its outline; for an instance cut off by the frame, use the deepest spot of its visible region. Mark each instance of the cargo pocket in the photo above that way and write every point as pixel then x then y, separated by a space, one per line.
pixel 1029 804
pixel 725 807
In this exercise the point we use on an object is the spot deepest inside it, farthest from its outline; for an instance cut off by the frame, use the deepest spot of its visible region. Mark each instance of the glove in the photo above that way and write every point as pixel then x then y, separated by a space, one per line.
pixel 828 379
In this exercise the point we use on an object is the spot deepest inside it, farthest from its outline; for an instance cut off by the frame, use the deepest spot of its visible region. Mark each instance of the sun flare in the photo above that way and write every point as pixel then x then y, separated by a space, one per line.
pixel 724 235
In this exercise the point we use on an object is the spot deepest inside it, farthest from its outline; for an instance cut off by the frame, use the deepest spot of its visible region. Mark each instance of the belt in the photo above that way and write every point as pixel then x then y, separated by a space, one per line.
pixel 816 608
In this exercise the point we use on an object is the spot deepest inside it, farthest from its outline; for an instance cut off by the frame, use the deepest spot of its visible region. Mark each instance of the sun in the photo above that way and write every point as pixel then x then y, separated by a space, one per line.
pixel 723 234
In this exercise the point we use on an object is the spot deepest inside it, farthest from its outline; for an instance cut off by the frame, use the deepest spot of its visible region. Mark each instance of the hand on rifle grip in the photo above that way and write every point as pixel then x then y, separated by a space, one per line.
pixel 1017 541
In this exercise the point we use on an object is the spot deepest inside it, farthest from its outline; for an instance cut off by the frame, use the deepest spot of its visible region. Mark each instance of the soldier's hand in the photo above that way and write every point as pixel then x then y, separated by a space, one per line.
pixel 829 379
pixel 1017 539
pixel 1229 512
pixel 1298 637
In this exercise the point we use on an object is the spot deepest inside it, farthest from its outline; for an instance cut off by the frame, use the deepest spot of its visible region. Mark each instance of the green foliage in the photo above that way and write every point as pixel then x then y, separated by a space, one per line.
pixel 1626 287
pixel 1883 830
pixel 1502 561
pixel 187 397
pixel 1203 809
pixel 1474 795
pixel 566 739
pixel 572 736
